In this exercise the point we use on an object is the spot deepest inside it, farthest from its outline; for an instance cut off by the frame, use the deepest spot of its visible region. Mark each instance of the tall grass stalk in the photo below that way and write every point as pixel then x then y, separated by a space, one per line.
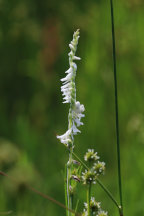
pixel 116 105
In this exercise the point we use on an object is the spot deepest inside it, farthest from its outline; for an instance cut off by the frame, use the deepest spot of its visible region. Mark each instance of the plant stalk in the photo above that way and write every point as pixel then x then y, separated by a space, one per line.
pixel 69 188
pixel 88 199
pixel 69 165
pixel 116 106
pixel 65 185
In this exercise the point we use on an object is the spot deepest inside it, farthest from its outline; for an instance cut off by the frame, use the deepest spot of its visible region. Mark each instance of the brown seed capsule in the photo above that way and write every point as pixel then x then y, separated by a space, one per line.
pixel 76 162
pixel 75 178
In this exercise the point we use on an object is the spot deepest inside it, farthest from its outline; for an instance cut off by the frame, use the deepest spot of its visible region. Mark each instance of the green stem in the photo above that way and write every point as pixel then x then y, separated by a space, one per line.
pixel 116 105
pixel 65 184
pixel 69 193
pixel 88 199
pixel 108 193
pixel 68 213
pixel 100 183
pixel 69 165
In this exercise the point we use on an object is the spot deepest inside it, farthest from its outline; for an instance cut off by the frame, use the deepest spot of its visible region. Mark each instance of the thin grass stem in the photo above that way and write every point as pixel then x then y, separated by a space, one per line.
pixel 108 193
pixel 116 105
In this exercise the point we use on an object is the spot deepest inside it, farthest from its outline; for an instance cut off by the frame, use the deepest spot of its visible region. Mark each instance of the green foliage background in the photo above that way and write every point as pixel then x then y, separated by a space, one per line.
pixel 34 38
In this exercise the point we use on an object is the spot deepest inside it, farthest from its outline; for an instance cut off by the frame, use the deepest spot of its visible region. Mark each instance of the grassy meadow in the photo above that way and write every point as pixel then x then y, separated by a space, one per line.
pixel 34 38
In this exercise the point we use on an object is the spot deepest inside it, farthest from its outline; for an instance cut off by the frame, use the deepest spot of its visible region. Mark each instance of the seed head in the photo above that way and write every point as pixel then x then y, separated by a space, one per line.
pixel 91 155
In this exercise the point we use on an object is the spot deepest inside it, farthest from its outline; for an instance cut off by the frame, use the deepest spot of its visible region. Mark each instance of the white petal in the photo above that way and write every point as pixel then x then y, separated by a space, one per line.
pixel 70 54
pixel 81 115
pixel 65 86
pixel 71 46
pixel 67 78
pixel 66 92
pixel 66 101
pixel 77 104
pixel 65 138
pixel 66 89
pixel 78 122
pixel 76 58
pixel 74 66
pixel 75 130
pixel 65 141
pixel 82 108
pixel 69 70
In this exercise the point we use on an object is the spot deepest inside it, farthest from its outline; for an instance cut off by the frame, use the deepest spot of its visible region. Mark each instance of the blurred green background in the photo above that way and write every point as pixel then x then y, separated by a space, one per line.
pixel 34 38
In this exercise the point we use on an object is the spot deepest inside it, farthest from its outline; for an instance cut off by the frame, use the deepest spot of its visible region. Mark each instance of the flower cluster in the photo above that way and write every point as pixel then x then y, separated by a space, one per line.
pixel 69 92
pixel 88 177
pixel 97 167
pixel 65 138
pixel 102 213
pixel 95 208
pixel 68 89
pixel 77 111
pixel 91 155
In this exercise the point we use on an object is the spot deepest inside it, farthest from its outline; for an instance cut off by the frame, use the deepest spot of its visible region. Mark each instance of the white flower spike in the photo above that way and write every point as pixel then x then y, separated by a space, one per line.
pixel 68 90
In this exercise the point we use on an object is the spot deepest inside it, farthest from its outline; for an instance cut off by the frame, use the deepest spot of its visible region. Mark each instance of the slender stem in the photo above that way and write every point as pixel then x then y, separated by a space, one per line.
pixel 77 203
pixel 116 104
pixel 69 193
pixel 108 193
pixel 88 199
pixel 69 164
pixel 71 203
pixel 100 183
pixel 65 184
pixel 68 188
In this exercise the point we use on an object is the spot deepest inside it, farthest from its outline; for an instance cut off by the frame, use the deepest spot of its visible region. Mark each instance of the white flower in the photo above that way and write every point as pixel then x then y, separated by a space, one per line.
pixel 67 78
pixel 85 205
pixel 76 58
pixel 85 212
pixel 75 130
pixel 71 46
pixel 70 78
pixel 68 85
pixel 77 113
pixel 102 213
pixel 95 206
pixel 65 138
